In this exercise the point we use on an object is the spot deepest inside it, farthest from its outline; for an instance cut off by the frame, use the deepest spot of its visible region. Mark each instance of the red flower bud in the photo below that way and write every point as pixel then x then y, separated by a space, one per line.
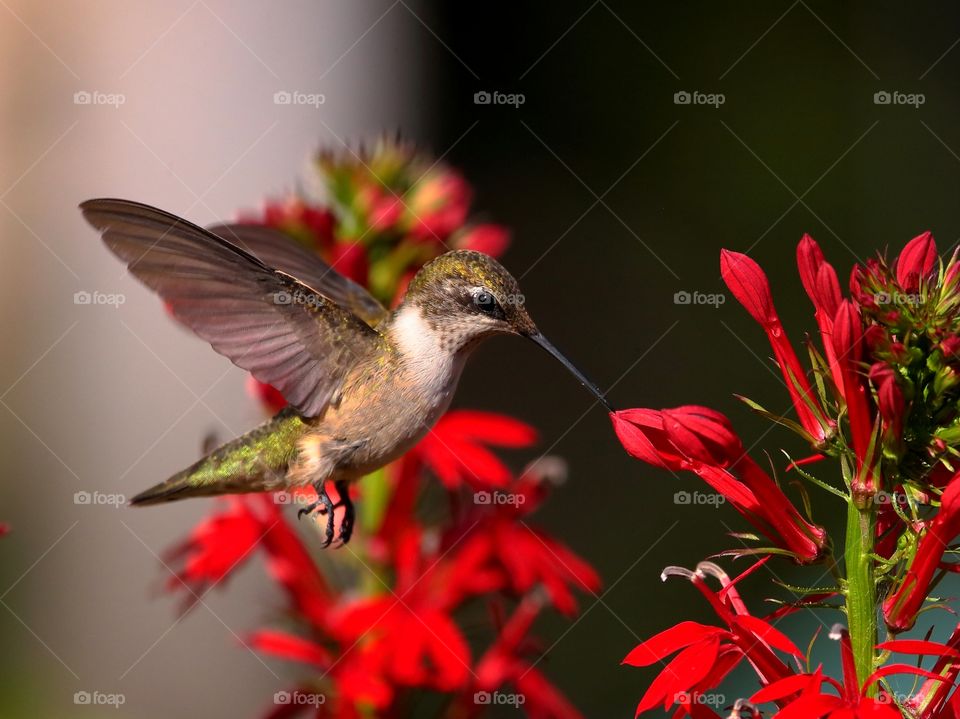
pixel 749 285
pixel 916 261
pixel 890 400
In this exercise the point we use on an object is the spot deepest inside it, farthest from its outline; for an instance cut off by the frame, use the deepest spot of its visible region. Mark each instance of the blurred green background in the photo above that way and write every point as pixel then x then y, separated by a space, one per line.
pixel 618 198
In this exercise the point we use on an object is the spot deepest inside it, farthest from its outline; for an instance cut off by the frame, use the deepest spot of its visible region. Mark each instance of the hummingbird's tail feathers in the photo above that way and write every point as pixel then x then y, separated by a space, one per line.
pixel 254 462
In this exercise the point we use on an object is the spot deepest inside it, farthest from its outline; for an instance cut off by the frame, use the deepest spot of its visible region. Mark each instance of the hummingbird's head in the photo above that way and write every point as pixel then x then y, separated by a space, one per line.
pixel 466 295
pixel 463 297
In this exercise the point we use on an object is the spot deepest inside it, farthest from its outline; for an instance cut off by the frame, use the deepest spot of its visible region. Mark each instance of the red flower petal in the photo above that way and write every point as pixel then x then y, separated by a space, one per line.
pixel 290 647
pixel 668 641
pixel 684 671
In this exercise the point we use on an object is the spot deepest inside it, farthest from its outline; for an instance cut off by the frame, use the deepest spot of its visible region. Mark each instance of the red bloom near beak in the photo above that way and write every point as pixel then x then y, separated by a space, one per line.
pixel 702 441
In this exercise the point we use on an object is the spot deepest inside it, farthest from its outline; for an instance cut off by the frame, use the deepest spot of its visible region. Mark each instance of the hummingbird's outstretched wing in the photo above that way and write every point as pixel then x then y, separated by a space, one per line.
pixel 265 321
pixel 277 250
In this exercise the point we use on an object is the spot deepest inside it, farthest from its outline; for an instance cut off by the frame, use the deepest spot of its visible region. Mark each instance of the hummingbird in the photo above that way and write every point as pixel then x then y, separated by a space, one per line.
pixel 363 384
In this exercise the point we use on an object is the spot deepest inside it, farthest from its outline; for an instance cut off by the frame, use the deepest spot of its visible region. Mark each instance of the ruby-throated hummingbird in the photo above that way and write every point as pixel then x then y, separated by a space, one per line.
pixel 363 384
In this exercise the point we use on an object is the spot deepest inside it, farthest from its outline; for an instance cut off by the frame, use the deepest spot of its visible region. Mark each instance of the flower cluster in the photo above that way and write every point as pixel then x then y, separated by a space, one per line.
pixel 379 624
pixel 881 398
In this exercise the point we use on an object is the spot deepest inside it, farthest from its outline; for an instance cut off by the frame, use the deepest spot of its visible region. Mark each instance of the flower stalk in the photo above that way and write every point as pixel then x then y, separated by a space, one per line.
pixel 861 587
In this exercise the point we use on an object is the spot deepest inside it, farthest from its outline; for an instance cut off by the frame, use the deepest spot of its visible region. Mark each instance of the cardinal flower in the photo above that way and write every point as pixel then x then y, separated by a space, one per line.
pixel 702 441
pixel 706 654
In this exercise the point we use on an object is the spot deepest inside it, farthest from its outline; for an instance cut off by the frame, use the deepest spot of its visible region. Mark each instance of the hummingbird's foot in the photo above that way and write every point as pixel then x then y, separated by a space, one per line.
pixel 346 527
pixel 325 506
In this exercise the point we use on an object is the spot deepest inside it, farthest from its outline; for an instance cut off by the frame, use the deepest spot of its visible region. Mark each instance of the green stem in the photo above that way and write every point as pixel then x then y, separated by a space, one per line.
pixel 861 588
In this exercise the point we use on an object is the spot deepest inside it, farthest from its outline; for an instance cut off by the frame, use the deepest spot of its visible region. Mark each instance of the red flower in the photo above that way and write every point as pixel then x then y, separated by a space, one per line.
pixel 455 450
pixel 702 441
pixel 901 607
pixel 217 546
pixel 749 285
pixel 706 654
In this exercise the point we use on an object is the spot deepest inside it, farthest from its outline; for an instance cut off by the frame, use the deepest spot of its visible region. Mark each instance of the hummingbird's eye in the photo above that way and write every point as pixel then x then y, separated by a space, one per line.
pixel 487 303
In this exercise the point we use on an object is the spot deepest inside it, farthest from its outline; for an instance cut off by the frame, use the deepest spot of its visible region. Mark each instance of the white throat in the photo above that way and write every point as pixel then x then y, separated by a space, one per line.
pixel 432 368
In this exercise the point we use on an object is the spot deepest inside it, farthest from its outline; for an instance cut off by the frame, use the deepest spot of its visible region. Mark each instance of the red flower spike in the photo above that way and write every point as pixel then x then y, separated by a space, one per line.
pixel 901 607
pixel 916 262
pixel 373 646
pixel 749 285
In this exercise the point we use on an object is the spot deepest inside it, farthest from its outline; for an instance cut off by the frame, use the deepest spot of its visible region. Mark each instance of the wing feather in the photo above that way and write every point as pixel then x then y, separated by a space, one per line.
pixel 264 320
pixel 277 250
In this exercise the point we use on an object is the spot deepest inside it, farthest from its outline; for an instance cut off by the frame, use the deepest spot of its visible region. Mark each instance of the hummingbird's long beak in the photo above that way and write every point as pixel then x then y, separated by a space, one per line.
pixel 543 342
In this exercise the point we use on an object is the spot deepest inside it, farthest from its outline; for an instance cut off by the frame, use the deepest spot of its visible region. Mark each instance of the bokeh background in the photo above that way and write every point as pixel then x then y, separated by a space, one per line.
pixel 619 197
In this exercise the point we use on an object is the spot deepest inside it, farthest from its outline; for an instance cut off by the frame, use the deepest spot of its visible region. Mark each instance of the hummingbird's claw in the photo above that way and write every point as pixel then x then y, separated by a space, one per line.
pixel 346 528
pixel 325 506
